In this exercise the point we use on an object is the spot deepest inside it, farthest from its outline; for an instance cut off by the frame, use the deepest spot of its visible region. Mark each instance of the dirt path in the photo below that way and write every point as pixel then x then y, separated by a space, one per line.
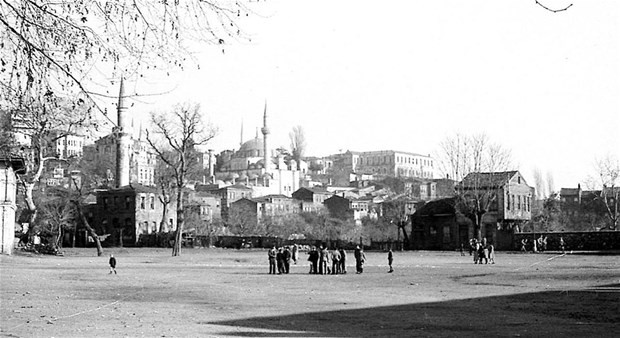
pixel 228 293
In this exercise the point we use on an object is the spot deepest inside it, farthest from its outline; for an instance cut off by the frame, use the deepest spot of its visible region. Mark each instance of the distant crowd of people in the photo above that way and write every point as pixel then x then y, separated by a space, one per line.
pixel 540 244
pixel 483 251
pixel 322 261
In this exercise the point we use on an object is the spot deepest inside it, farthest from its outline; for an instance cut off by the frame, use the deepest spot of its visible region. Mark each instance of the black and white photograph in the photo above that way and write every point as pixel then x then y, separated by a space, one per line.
pixel 272 168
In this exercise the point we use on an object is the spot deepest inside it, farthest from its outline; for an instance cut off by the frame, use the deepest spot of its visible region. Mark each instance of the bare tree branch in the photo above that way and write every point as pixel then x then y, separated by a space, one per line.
pixel 553 10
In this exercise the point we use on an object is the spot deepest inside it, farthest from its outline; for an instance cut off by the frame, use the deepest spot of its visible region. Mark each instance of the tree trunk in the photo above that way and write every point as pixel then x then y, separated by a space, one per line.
pixel 91 231
pixel 401 226
pixel 176 249
pixel 164 216
pixel 32 208
pixel 478 225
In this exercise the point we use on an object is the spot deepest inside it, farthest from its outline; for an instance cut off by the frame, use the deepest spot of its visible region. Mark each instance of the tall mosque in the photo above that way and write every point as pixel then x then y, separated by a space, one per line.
pixel 259 167
pixel 125 157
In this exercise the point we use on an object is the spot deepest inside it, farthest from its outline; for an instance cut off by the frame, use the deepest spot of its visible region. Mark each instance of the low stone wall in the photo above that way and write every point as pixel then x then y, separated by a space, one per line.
pixel 590 241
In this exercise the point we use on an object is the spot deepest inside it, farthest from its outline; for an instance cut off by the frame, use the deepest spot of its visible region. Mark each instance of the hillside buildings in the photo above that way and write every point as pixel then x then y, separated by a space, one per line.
pixel 258 166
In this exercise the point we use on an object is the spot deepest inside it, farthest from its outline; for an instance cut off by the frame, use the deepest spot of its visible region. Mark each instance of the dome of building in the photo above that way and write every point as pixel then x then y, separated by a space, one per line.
pixel 251 148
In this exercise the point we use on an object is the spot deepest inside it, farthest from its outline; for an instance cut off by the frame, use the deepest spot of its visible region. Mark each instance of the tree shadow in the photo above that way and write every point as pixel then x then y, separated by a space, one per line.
pixel 579 313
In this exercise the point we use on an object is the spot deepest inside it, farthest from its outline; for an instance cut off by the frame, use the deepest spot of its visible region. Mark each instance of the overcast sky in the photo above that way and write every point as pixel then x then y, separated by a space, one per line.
pixel 403 75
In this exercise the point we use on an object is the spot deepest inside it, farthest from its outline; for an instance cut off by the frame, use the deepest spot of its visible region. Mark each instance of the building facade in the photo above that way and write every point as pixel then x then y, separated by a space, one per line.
pixel 127 212
pixel 445 224
pixel 9 167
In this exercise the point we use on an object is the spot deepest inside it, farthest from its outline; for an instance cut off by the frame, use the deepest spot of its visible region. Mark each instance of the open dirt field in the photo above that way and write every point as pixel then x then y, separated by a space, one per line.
pixel 218 292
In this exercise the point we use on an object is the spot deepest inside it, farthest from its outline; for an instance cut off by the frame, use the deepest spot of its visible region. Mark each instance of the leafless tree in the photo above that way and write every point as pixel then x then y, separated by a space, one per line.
pixel 550 183
pixel 243 221
pixel 174 138
pixel 608 173
pixel 44 125
pixel 298 144
pixel 59 49
pixel 551 9
pixel 164 178
pixel 539 184
pixel 395 213
pixel 477 163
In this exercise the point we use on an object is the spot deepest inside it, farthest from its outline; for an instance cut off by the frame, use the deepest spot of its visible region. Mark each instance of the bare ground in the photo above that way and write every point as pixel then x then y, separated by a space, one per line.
pixel 216 292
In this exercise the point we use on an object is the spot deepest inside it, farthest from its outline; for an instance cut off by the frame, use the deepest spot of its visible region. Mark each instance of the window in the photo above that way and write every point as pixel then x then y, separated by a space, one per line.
pixel 105 203
pixel 127 202
pixel 519 202
pixel 142 202
pixel 512 202
pixel 507 201
pixel 152 202
pixel 527 206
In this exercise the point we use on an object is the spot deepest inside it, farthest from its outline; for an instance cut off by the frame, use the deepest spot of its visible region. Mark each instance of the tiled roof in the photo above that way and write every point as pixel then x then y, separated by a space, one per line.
pixel 487 180
pixel 569 192
pixel 443 206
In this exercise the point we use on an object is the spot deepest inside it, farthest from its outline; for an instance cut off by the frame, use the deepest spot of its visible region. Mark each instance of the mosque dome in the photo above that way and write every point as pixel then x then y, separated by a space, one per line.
pixel 251 148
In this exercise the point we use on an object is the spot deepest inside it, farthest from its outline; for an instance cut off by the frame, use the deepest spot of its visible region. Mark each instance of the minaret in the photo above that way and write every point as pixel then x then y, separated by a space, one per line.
pixel 265 132
pixel 122 141
pixel 241 140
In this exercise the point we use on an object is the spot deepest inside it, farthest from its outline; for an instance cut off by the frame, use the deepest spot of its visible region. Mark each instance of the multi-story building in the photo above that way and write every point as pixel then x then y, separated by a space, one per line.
pixel 446 224
pixel 587 210
pixel 65 145
pixel 396 164
pixel 142 159
pixel 252 211
pixel 355 208
pixel 349 166
pixel 312 198
pixel 130 211
pixel 228 194
pixel 206 205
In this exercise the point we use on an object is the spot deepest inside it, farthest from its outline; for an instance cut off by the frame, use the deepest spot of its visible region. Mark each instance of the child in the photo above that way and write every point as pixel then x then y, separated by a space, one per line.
pixel 390 260
pixel 112 264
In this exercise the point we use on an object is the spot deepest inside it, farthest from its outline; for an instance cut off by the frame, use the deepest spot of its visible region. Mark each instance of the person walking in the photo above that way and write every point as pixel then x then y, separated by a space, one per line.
pixel 562 245
pixel 313 258
pixel 322 260
pixel 280 260
pixel 360 258
pixel 271 254
pixel 335 262
pixel 390 260
pixel 325 261
pixel 491 254
pixel 112 263
pixel 295 252
pixel 287 259
pixel 343 260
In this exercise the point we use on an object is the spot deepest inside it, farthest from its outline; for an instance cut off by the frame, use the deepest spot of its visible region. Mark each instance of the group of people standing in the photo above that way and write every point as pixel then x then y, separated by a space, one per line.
pixel 482 251
pixel 280 259
pixel 322 261
pixel 540 244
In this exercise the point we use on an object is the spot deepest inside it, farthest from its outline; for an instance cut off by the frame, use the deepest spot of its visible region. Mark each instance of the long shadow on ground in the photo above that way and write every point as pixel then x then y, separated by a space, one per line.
pixel 584 313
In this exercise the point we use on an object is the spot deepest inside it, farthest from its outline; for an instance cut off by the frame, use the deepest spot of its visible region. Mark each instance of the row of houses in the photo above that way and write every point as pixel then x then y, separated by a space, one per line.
pixel 128 212
pixel 439 223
